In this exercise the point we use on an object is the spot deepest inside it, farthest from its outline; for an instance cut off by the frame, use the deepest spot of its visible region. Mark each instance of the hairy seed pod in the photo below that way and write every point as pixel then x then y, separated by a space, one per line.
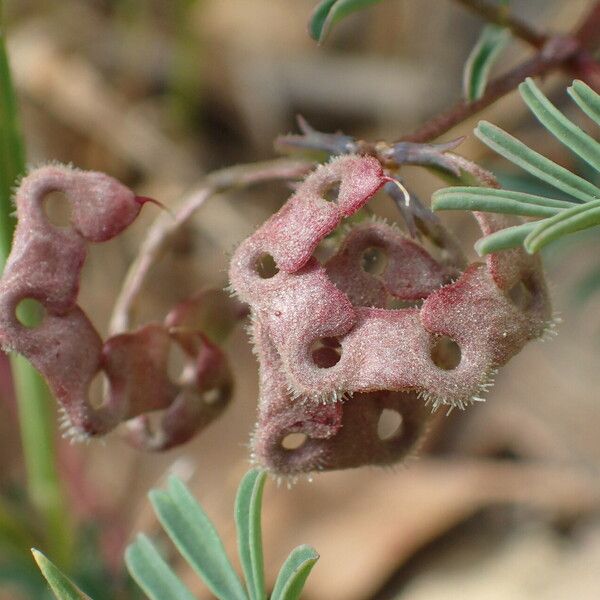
pixel 45 265
pixel 337 347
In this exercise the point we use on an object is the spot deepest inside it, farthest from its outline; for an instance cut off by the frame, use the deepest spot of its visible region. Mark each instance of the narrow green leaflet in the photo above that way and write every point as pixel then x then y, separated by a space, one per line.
pixel 490 44
pixel 541 167
pixel 329 12
pixel 497 201
pixel 293 574
pixel 248 522
pixel 197 539
pixel 587 99
pixel 569 221
pixel 504 239
pixel 152 573
pixel 318 17
pixel 62 587
pixel 564 130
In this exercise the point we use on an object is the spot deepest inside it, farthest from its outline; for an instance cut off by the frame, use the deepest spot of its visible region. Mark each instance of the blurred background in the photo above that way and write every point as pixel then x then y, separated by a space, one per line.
pixel 502 503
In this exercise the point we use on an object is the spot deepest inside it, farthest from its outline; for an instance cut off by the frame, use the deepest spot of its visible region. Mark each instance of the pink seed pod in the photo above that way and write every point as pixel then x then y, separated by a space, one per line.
pixel 333 351
pixel 45 264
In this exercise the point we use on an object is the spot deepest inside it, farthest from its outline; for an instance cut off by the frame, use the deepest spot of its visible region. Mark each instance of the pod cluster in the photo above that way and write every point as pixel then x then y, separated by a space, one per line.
pixel 380 325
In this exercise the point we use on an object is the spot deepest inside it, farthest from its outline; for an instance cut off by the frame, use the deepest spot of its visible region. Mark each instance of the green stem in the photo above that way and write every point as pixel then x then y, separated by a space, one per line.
pixel 35 411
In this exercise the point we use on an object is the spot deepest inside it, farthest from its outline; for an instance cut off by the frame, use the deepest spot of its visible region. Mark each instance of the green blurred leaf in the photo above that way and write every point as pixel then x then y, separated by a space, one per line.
pixel 197 539
pixel 569 221
pixel 16 533
pixel 490 44
pixel 564 130
pixel 587 99
pixel 61 585
pixel 248 521
pixel 12 153
pixel 329 12
pixel 510 237
pixel 497 201
pixel 152 573
pixel 293 574
pixel 541 167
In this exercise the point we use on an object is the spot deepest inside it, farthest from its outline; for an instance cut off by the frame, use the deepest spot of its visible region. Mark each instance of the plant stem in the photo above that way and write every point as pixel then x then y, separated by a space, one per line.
pixel 500 16
pixel 554 55
pixel 35 412
pixel 573 52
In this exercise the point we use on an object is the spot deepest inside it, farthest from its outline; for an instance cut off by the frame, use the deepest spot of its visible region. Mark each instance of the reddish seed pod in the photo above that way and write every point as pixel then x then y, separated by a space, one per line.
pixel 45 265
pixel 334 348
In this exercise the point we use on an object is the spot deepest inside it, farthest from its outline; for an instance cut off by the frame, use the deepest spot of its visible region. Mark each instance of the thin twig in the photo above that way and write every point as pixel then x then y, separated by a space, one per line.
pixel 573 52
pixel 554 54
pixel 166 226
pixel 500 16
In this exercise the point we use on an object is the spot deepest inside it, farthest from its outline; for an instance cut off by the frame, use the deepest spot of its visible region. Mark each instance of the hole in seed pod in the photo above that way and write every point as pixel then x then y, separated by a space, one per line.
pixel 389 425
pixel 96 390
pixel 153 424
pixel 30 312
pixel 266 266
pixel 521 294
pixel 326 352
pixel 445 353
pixel 57 209
pixel 331 192
pixel 177 362
pixel 293 441
pixel 213 396
pixel 374 260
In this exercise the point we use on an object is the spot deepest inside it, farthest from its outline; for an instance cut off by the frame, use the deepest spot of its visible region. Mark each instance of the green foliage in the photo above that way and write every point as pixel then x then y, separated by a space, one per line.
pixel 152 573
pixel 61 585
pixel 248 523
pixel 196 538
pixel 580 211
pixel 490 44
pixel 329 12
pixel 294 572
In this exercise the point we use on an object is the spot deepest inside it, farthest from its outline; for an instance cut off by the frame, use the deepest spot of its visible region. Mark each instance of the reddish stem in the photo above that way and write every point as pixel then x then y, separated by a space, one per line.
pixel 500 16
pixel 573 52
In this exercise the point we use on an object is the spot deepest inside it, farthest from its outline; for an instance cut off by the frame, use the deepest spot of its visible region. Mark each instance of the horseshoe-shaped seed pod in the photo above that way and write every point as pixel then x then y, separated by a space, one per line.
pixel 45 265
